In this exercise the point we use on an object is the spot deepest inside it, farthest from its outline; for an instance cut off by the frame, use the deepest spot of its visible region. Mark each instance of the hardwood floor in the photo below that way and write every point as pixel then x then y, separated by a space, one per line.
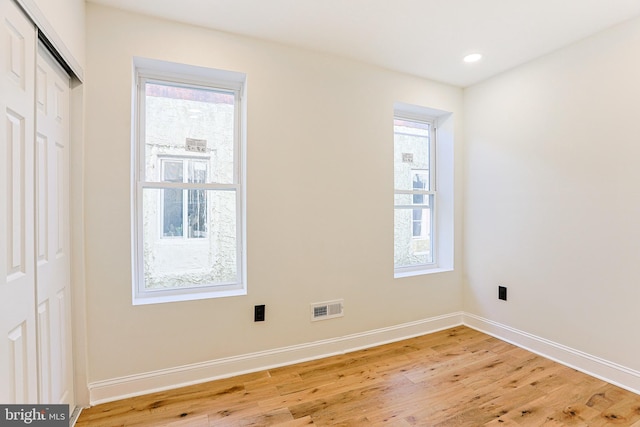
pixel 457 377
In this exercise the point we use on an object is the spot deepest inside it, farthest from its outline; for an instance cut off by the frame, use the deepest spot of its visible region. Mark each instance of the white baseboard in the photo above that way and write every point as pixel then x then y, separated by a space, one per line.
pixel 135 385
pixel 610 372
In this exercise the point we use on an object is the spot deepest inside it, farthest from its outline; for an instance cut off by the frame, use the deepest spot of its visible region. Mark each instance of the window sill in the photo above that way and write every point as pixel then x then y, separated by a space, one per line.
pixel 422 272
pixel 187 296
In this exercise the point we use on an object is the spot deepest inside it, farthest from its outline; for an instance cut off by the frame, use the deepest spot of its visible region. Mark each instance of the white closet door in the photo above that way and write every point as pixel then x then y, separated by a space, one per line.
pixel 18 357
pixel 52 230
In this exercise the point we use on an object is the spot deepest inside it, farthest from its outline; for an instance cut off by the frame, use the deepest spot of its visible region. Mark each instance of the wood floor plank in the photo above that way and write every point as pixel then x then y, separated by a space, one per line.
pixel 456 377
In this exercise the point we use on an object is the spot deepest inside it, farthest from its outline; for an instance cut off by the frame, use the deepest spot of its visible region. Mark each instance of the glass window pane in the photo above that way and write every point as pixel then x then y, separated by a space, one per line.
pixel 197 171
pixel 172 212
pixel 197 214
pixel 190 122
pixel 403 199
pixel 413 242
pixel 208 256
pixel 411 154
pixel 417 222
pixel 172 171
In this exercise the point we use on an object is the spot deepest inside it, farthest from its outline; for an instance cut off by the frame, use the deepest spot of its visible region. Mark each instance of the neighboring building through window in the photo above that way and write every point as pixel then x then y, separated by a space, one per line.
pixel 420 216
pixel 184 217
pixel 189 183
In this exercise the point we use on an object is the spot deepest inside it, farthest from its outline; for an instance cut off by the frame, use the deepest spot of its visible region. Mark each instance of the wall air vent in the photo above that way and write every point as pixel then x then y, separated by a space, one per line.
pixel 327 310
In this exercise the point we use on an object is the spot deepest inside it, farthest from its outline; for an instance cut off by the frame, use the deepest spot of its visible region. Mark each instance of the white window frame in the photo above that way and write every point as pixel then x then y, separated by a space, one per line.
pixel 429 193
pixel 150 70
pixel 441 170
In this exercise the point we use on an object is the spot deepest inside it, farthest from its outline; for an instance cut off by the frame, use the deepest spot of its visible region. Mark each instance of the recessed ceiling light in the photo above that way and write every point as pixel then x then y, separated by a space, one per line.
pixel 473 57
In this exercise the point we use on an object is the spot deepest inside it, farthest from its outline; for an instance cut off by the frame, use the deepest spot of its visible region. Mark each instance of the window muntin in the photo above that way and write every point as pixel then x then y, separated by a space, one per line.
pixel 189 240
pixel 414 182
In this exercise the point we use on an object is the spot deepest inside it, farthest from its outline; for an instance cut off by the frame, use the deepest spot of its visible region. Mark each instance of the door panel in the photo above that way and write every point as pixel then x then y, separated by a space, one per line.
pixel 18 350
pixel 52 230
pixel 44 346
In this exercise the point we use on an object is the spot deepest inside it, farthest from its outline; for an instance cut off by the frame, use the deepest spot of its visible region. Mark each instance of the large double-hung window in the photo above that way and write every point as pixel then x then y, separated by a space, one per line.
pixel 189 183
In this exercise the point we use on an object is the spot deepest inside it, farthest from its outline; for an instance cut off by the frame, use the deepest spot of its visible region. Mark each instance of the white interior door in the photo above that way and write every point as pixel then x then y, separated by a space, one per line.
pixel 35 307
pixel 52 231
pixel 18 348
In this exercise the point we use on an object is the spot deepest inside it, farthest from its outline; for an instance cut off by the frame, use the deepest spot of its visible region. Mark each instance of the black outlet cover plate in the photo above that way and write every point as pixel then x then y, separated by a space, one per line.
pixel 258 313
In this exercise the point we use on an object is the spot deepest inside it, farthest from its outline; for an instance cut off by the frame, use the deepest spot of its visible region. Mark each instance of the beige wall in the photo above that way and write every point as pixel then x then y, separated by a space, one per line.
pixel 552 196
pixel 320 188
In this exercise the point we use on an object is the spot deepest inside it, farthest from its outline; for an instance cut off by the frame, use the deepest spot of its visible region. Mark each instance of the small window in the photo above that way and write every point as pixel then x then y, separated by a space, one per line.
pixel 424 190
pixel 189 183
pixel 415 193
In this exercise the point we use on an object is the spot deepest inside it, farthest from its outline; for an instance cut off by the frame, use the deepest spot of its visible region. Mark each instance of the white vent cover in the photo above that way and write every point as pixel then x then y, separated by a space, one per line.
pixel 327 310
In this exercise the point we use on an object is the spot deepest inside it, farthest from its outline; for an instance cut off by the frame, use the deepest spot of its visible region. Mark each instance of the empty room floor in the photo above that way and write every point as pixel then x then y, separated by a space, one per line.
pixel 456 377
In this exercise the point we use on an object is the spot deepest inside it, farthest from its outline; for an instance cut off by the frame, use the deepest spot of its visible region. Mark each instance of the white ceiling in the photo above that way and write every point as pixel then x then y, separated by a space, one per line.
pixel 427 38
